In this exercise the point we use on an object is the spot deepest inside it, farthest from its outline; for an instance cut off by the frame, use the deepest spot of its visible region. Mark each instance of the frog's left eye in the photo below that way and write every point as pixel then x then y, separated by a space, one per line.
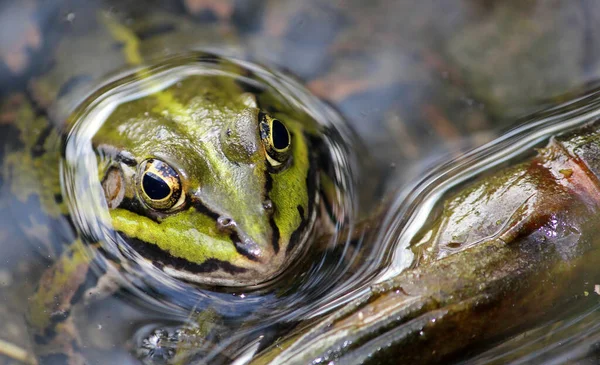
pixel 159 185
pixel 276 139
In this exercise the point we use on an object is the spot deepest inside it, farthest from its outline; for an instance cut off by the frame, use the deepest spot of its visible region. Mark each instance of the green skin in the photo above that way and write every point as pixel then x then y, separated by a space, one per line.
pixel 247 204
pixel 210 135
pixel 213 140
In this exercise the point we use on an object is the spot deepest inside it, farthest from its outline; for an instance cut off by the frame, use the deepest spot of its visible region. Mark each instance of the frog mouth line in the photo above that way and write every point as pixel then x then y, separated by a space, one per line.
pixel 162 258
pixel 244 249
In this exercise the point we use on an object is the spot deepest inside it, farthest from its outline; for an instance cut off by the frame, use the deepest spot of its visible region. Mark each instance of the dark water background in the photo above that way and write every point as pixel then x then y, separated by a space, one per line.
pixel 419 82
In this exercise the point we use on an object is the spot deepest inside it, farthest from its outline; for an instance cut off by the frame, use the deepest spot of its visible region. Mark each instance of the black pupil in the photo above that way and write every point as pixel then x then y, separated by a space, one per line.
pixel 155 187
pixel 281 138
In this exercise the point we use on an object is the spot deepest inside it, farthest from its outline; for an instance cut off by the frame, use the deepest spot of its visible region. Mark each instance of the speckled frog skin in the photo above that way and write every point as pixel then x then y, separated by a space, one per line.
pixel 203 184
pixel 206 184
pixel 208 180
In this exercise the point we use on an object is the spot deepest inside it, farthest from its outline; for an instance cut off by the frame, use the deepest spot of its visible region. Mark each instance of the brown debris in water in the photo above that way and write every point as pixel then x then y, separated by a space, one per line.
pixel 222 8
pixel 25 36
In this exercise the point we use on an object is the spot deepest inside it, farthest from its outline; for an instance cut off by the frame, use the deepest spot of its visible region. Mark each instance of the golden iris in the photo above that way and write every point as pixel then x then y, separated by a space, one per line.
pixel 276 139
pixel 160 184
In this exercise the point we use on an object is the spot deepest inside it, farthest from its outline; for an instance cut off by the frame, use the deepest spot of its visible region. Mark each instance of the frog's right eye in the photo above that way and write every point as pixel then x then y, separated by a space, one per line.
pixel 159 185
pixel 277 140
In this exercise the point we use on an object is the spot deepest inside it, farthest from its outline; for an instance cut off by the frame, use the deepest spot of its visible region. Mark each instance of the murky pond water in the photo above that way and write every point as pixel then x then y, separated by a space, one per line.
pixel 244 312
pixel 391 96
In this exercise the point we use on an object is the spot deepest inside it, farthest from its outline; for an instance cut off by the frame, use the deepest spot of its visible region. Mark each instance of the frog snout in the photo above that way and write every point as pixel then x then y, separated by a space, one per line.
pixel 241 140
pixel 225 223
pixel 243 243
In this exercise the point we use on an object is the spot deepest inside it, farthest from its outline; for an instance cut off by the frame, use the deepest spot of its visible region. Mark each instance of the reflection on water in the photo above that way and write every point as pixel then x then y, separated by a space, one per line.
pixel 574 339
pixel 412 207
pixel 420 83
pixel 417 309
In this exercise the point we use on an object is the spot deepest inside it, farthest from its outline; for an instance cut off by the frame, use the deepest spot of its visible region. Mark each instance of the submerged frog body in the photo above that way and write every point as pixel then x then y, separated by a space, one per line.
pixel 206 177
pixel 196 172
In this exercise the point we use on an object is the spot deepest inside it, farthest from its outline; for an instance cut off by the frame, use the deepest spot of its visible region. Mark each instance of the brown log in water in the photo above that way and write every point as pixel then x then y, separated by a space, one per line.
pixel 508 251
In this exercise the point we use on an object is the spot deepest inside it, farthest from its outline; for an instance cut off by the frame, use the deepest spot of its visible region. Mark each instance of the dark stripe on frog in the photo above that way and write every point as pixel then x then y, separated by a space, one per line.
pixel 200 207
pixel 134 206
pixel 322 158
pixel 49 333
pixel 155 30
pixel 241 248
pixel 126 158
pixel 295 237
pixel 39 110
pixel 49 339
pixel 311 176
pixel 162 258
pixel 234 236
pixel 274 228
pixel 276 234
pixel 91 279
pixel 321 151
pixel 109 256
pixel 265 128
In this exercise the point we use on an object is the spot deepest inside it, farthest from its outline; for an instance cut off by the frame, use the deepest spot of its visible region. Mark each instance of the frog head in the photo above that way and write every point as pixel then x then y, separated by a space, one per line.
pixel 205 184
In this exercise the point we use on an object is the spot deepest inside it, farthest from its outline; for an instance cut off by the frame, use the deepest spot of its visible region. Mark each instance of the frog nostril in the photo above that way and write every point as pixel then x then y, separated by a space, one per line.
pixel 247 247
pixel 268 205
pixel 225 223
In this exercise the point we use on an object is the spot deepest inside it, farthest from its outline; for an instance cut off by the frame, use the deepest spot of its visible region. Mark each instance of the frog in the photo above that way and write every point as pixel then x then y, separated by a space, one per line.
pixel 179 186
pixel 212 180
pixel 316 339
